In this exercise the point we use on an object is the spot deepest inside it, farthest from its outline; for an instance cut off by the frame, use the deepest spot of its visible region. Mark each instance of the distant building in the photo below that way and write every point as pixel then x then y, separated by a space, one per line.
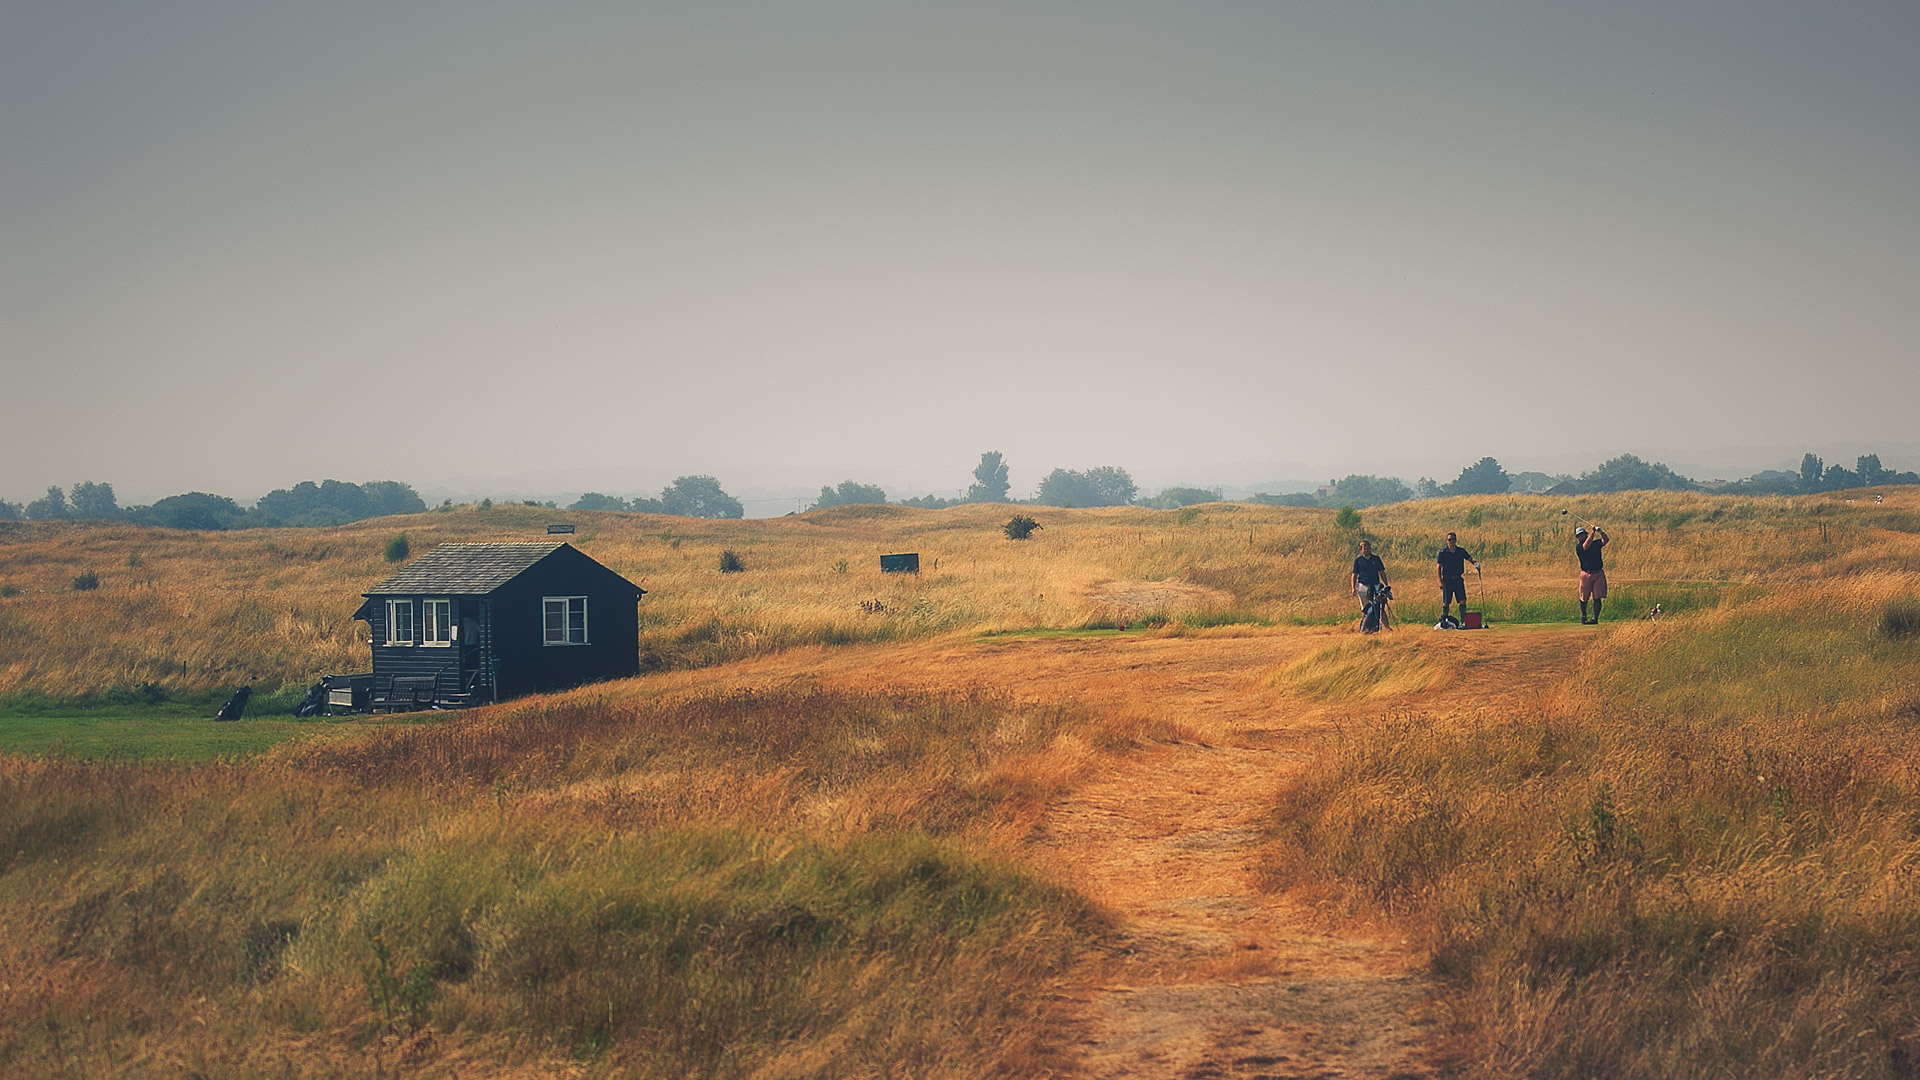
pixel 470 623
pixel 1564 487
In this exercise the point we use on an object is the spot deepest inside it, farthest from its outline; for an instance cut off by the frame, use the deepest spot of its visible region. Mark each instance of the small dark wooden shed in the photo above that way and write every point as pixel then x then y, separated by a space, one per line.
pixel 469 623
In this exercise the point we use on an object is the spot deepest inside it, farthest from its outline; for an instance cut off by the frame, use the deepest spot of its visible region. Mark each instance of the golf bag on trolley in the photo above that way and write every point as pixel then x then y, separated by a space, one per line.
pixel 1379 610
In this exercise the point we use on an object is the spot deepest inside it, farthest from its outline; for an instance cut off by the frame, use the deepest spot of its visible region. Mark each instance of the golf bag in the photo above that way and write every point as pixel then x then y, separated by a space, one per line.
pixel 1377 613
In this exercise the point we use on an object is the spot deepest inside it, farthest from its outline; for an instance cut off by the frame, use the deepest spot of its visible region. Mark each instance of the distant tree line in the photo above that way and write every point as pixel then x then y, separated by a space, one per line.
pixel 327 503
pixel 688 496
pixel 332 502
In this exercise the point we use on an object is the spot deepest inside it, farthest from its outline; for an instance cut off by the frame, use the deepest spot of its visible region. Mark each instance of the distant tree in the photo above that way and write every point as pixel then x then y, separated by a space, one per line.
pixel 1839 478
pixel 1357 490
pixel 96 501
pixel 989 479
pixel 10 511
pixel 1297 498
pixel 336 502
pixel 851 494
pixel 1103 486
pixel 933 502
pixel 392 497
pixel 1629 473
pixel 642 505
pixel 1426 488
pixel 1174 498
pixel 1533 483
pixel 1867 467
pixel 1483 477
pixel 701 497
pixel 50 507
pixel 1812 472
pixel 593 500
pixel 193 510
pixel 1765 482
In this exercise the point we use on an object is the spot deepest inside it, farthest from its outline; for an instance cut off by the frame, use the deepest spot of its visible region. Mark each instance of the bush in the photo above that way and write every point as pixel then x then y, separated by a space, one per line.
pixel 1020 527
pixel 398 548
pixel 86 582
pixel 730 563
pixel 1900 619
pixel 1347 518
pixel 9 589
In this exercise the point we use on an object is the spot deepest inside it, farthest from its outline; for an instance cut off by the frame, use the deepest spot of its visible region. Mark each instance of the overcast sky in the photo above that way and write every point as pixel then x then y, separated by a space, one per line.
pixel 248 244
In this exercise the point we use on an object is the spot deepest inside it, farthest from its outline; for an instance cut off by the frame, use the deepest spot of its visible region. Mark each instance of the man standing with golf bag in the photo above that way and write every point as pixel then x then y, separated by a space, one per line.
pixel 1452 567
pixel 1369 573
pixel 1593 573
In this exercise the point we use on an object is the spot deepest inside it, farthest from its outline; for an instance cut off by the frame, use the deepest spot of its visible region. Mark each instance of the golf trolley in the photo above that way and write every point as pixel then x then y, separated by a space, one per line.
pixel 1378 614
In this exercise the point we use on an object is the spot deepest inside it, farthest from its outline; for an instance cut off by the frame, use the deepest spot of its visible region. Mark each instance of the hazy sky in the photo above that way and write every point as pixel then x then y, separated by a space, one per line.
pixel 248 244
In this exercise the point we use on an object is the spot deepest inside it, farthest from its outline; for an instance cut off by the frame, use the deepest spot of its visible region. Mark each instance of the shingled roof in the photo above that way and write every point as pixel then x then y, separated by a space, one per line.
pixel 465 569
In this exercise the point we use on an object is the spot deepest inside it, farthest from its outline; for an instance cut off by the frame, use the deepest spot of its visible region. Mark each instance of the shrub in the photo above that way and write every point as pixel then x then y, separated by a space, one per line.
pixel 86 582
pixel 9 590
pixel 1347 518
pixel 1900 619
pixel 730 563
pixel 1019 527
pixel 398 548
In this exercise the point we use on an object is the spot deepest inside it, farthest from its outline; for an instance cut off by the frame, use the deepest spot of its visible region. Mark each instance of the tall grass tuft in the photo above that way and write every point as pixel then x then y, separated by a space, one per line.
pixel 1899 619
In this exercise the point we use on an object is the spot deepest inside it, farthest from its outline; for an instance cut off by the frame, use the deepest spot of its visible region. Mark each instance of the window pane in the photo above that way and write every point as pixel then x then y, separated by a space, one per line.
pixel 577 621
pixel 556 629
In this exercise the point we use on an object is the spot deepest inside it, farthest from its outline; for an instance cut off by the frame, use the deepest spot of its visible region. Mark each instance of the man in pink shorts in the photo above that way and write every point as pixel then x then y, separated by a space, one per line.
pixel 1593 572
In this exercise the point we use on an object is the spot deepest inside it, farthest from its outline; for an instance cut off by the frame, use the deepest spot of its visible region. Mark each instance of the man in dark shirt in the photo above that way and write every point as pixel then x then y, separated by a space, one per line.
pixel 1593 573
pixel 1452 566
pixel 1368 573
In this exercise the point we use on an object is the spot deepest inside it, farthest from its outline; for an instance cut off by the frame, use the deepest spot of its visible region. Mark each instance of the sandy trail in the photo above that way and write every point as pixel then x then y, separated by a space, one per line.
pixel 1214 977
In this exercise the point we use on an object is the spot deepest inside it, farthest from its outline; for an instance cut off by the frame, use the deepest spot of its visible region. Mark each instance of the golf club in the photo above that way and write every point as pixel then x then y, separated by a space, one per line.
pixel 1579 519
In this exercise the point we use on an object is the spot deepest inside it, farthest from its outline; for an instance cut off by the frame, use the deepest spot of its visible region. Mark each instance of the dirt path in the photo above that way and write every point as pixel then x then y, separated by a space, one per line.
pixel 1215 978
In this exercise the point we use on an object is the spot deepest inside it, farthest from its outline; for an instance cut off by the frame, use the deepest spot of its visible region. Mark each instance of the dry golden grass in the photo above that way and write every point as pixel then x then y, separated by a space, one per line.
pixel 778 882
pixel 1692 856
pixel 1686 849
pixel 199 612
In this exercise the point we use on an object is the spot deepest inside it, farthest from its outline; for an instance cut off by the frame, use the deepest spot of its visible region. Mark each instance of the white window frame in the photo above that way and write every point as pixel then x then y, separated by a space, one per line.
pixel 566 620
pixel 436 632
pixel 394 608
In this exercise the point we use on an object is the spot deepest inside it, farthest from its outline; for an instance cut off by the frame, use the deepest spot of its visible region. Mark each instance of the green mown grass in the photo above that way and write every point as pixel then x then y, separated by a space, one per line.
pixel 178 734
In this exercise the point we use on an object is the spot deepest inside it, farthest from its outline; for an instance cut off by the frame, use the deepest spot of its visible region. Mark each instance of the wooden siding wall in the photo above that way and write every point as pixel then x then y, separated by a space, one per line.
pixel 527 664
pixel 440 663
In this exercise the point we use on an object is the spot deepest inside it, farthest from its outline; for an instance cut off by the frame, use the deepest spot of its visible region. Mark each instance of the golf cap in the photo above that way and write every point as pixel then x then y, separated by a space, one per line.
pixel 1581 531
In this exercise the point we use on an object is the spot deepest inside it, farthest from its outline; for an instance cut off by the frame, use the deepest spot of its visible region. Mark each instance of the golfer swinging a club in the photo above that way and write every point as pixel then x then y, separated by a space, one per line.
pixel 1593 573
pixel 1452 567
